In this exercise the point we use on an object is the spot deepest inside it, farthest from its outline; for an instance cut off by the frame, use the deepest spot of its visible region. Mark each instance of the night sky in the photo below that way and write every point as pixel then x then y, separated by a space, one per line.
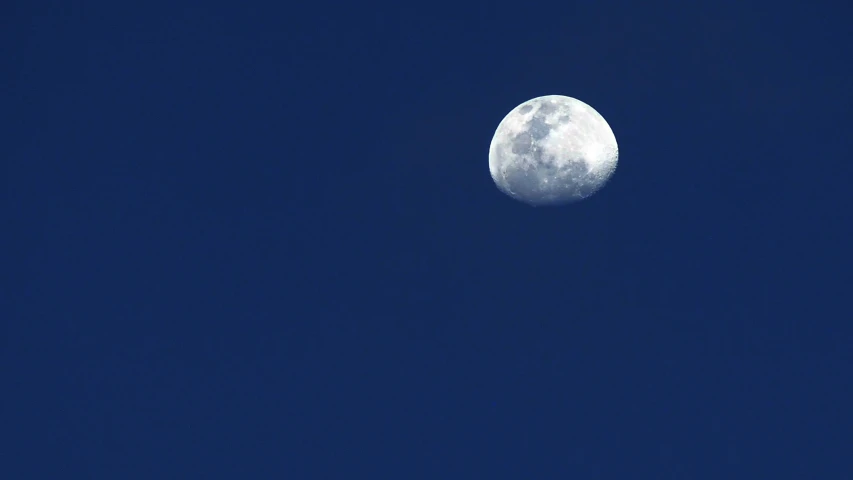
pixel 256 240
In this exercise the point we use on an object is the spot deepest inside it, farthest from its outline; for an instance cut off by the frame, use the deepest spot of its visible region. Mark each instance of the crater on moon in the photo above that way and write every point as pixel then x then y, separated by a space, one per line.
pixel 552 150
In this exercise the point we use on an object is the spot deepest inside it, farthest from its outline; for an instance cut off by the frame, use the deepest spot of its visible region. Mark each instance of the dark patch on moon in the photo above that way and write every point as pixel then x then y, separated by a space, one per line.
pixel 537 127
pixel 522 143
pixel 525 109
pixel 546 108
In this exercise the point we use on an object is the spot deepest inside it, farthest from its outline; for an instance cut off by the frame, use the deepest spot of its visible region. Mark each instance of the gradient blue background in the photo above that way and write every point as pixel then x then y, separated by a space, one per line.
pixel 259 240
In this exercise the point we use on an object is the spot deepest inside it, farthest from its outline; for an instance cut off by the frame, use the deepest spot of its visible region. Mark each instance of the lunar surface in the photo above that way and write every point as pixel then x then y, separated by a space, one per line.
pixel 552 150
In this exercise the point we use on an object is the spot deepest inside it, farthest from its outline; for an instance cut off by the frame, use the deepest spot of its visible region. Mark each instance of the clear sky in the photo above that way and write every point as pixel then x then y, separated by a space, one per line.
pixel 259 240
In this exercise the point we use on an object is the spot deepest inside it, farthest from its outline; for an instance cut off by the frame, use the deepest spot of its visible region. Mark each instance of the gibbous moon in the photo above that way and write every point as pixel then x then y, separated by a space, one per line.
pixel 552 150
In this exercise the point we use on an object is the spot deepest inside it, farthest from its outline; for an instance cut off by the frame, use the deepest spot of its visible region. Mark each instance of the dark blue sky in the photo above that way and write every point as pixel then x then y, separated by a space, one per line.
pixel 258 240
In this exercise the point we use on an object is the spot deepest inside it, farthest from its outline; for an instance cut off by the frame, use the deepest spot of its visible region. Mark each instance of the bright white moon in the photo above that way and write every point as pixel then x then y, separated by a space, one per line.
pixel 552 150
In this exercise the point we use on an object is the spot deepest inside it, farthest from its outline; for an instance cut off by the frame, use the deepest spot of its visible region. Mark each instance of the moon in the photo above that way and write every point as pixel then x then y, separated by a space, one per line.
pixel 552 150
